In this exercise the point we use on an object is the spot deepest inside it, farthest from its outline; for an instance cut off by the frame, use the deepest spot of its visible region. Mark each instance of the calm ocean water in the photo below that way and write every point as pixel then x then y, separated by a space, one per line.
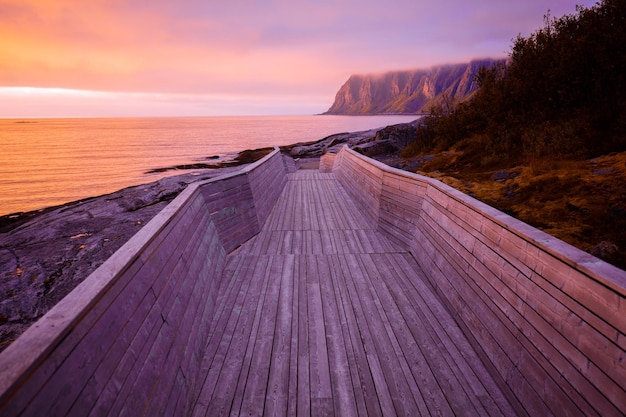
pixel 45 162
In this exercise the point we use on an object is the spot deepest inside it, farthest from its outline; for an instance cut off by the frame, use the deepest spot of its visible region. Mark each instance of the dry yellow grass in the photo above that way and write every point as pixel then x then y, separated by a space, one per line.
pixel 580 202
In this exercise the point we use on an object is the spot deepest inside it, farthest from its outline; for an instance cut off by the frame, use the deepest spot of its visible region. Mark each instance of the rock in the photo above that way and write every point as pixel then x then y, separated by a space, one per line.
pixel 389 140
pixel 407 92
pixel 306 151
pixel 605 250
pixel 602 171
pixel 400 135
pixel 618 211
pixel 377 148
pixel 369 142
pixel 504 175
pixel 44 254
pixel 328 144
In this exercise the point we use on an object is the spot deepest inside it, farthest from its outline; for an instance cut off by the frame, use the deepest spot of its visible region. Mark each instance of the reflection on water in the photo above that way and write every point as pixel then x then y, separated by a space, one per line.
pixel 45 162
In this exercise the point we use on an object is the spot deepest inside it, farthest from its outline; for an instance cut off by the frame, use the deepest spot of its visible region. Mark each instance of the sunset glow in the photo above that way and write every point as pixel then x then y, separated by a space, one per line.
pixel 139 57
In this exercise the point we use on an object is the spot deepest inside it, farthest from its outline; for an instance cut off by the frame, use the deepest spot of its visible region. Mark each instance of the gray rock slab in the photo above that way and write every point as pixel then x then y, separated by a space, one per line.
pixel 47 253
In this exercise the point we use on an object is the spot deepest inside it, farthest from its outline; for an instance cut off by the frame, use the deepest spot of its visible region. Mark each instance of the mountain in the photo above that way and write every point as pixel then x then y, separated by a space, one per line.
pixel 407 92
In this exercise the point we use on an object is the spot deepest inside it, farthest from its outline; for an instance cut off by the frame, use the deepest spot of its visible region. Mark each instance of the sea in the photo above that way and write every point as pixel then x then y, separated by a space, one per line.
pixel 47 162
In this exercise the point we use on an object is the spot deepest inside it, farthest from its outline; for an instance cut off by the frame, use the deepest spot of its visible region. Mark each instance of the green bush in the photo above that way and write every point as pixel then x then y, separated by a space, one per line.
pixel 561 94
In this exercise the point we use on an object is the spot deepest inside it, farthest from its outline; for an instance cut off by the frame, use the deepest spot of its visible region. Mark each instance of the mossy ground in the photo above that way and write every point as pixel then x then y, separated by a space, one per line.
pixel 582 202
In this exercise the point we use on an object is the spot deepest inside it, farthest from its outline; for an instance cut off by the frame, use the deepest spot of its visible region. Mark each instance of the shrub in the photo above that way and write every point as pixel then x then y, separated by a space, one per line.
pixel 561 94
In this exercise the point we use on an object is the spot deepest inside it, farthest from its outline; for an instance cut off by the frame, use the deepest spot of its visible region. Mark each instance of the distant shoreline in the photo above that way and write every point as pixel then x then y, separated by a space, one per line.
pixel 12 220
pixel 419 114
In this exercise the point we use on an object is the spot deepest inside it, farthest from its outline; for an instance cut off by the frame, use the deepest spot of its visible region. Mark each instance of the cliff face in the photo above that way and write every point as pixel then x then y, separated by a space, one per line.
pixel 406 92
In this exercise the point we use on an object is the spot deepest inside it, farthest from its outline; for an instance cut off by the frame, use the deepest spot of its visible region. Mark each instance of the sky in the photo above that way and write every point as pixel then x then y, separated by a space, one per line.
pixel 77 58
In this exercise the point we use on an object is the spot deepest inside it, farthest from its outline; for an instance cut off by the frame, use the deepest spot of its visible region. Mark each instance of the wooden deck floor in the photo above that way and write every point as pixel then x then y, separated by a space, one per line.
pixel 319 315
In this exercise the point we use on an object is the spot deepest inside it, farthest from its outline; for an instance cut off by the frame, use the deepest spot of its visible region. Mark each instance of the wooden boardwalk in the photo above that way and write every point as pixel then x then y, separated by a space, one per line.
pixel 319 315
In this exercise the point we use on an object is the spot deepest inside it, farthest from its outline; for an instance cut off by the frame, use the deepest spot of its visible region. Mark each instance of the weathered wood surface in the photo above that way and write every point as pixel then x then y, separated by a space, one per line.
pixel 130 339
pixel 319 314
pixel 549 318
pixel 365 291
pixel 326 162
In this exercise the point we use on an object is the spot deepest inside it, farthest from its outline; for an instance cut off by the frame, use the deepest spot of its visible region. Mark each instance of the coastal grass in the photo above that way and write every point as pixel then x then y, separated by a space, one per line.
pixel 582 202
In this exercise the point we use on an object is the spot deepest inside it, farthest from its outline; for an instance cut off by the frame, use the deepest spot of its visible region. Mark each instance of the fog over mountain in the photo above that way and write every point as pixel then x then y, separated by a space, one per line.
pixel 407 92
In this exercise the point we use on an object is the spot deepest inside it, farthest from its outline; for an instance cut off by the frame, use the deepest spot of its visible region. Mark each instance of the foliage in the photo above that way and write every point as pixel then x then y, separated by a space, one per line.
pixel 561 94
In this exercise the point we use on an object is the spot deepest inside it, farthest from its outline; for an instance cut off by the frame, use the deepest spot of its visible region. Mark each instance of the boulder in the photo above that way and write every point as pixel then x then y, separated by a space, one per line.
pixel 605 250
pixel 378 147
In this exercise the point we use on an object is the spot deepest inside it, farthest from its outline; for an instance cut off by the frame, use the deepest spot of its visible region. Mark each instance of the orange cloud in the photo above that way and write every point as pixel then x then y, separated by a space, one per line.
pixel 21 102
pixel 44 43
pixel 95 46
pixel 275 47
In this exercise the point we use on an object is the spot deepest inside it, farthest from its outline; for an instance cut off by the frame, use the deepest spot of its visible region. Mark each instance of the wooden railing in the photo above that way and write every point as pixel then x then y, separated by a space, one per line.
pixel 548 319
pixel 130 338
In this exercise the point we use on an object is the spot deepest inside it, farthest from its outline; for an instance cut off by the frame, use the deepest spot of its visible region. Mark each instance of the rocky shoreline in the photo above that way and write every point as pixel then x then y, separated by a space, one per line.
pixel 373 143
pixel 44 254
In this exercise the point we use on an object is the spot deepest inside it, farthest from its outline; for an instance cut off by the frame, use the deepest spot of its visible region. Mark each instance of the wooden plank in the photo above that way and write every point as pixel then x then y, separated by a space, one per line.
pixel 328 243
pixel 410 278
pixel 185 335
pixel 332 333
pixel 286 241
pixel 434 327
pixel 316 247
pixel 297 201
pixel 297 242
pixel 352 243
pixel 373 348
pixel 392 361
pixel 363 385
pixel 259 351
pixel 344 402
pixel 86 368
pixel 314 206
pixel 180 355
pixel 111 390
pixel 362 236
pixel 144 386
pixel 259 277
pixel 350 208
pixel 303 406
pixel 233 278
pixel 339 239
pixel 321 392
pixel 305 206
pixel 267 181
pixel 292 395
pixel 499 345
pixel 272 245
pixel 229 344
pixel 306 242
pixel 188 377
pixel 255 245
pixel 319 210
pixel 276 399
pixel 539 337
pixel 397 318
